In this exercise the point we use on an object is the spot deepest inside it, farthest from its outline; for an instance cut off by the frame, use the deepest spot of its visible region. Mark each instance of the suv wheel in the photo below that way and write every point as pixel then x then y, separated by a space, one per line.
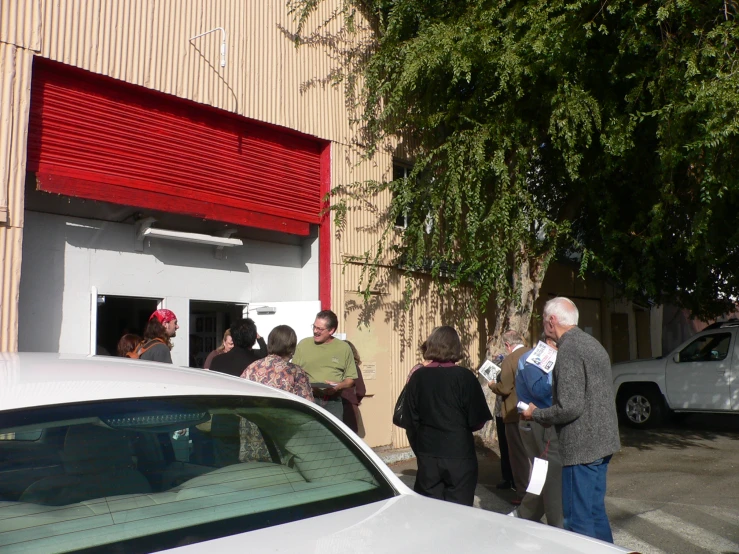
pixel 640 407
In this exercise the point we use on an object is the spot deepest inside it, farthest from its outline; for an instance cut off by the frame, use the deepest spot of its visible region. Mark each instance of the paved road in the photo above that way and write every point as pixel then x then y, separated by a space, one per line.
pixel 670 490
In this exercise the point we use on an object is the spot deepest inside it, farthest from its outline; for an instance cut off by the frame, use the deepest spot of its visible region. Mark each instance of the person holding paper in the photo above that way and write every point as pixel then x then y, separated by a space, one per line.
pixel 534 385
pixel 583 411
pixel 505 388
pixel 328 361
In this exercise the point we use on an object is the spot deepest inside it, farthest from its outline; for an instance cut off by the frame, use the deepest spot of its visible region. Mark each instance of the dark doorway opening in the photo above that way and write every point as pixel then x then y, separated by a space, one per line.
pixel 118 315
pixel 208 322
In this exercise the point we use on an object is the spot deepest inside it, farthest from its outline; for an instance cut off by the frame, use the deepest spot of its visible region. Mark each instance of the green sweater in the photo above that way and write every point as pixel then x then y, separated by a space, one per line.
pixel 332 361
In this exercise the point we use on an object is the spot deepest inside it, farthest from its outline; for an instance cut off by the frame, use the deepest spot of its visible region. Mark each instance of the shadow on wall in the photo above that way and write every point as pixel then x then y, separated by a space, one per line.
pixel 412 316
pixel 116 237
pixel 41 288
pixel 52 242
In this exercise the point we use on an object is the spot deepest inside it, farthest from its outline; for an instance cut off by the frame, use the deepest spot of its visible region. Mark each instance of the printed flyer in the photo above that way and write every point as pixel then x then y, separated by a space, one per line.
pixel 543 357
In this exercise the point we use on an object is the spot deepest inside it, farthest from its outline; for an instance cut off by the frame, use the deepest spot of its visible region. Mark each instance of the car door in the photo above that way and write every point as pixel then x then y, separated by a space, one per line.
pixel 698 374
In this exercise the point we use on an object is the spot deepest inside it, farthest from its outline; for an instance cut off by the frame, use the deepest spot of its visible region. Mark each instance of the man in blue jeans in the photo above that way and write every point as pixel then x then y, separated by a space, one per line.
pixel 583 412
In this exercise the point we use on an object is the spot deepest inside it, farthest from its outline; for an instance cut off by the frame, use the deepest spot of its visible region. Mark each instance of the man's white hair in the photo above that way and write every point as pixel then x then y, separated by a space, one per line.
pixel 564 309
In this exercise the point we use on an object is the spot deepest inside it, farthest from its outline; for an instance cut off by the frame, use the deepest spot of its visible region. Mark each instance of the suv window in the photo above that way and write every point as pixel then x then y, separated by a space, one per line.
pixel 132 473
pixel 708 348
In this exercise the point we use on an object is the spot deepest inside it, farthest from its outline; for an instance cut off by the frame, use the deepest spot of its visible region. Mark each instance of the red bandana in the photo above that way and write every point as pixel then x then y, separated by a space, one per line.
pixel 164 316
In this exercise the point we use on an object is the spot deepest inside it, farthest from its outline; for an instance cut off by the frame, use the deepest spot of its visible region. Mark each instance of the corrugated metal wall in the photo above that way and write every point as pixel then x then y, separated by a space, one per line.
pixel 411 323
pixel 146 42
pixel 20 23
pixel 15 96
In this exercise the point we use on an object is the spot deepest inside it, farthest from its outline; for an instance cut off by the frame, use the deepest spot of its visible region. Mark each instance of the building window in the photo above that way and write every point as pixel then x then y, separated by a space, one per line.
pixel 401 171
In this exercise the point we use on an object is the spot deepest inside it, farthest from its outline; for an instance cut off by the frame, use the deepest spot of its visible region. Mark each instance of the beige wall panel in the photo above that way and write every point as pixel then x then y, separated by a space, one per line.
pixel 147 43
pixel 406 327
pixel 15 100
pixel 373 342
pixel 363 228
pixel 20 23
pixel 10 254
pixel 15 69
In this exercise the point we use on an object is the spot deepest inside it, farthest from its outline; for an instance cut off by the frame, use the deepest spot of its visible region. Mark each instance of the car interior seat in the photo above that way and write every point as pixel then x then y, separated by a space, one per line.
pixel 97 462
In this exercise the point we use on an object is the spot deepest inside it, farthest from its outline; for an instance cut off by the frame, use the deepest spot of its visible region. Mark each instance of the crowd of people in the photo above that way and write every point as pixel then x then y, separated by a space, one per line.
pixel 565 416
pixel 320 368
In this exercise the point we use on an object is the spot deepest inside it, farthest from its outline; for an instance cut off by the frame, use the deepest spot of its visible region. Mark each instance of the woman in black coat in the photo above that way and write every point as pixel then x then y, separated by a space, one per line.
pixel 445 404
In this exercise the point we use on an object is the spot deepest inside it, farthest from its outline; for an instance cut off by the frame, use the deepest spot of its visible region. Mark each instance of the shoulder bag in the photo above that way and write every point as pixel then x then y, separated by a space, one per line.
pixel 399 418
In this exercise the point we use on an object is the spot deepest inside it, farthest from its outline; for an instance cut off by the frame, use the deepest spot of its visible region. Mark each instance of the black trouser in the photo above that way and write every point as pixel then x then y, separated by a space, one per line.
pixel 505 460
pixel 450 479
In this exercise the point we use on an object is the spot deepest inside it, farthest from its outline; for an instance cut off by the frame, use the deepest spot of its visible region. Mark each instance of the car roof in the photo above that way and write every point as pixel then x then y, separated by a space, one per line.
pixel 41 379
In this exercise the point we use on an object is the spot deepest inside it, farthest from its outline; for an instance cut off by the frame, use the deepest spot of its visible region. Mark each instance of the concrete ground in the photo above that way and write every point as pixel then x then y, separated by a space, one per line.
pixel 670 490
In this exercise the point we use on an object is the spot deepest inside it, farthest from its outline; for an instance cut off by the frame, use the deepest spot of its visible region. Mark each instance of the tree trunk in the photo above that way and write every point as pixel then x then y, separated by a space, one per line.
pixel 513 313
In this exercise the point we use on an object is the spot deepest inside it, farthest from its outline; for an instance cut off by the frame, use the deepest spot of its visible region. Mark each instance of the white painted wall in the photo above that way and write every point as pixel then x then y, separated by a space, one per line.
pixel 64 257
pixel 298 315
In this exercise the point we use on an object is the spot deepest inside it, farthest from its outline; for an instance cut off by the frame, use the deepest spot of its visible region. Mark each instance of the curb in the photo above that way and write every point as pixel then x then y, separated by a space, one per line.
pixel 393 455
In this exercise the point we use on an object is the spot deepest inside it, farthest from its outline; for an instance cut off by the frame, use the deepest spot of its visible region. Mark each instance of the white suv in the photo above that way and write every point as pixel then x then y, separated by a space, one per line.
pixel 698 376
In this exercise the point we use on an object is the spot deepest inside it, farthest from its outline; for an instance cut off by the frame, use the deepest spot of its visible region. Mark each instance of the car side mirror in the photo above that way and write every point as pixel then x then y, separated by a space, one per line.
pixel 676 358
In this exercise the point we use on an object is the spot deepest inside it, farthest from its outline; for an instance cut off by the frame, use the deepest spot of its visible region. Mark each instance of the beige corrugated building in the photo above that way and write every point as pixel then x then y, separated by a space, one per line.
pixel 123 120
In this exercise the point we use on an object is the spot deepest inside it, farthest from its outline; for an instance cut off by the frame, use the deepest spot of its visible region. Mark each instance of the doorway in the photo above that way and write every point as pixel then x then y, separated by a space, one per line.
pixel 118 315
pixel 208 322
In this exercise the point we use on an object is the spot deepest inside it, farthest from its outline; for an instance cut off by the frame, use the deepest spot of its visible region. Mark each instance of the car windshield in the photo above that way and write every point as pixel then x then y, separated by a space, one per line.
pixel 150 474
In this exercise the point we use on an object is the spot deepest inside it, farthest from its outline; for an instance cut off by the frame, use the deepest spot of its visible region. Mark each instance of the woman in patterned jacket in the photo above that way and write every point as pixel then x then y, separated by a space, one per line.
pixel 276 370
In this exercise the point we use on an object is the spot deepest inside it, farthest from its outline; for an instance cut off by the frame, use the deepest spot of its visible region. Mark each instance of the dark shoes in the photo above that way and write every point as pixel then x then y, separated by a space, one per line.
pixel 505 485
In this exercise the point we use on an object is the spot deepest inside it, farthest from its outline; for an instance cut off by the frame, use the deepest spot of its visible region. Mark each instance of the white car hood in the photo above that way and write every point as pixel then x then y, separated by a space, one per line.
pixel 407 524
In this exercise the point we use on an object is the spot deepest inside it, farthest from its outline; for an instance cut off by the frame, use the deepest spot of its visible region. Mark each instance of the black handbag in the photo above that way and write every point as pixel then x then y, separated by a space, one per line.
pixel 399 418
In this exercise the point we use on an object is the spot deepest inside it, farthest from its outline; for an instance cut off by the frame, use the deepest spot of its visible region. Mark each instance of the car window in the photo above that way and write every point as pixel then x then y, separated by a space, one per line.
pixel 707 348
pixel 31 435
pixel 135 473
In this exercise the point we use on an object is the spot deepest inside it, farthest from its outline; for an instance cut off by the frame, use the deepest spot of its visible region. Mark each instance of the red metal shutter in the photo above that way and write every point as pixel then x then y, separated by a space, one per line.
pixel 97 138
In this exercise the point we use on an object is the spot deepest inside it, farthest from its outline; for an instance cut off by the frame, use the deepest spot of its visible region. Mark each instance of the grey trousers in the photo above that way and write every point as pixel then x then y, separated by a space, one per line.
pixel 542 442
pixel 520 464
pixel 334 406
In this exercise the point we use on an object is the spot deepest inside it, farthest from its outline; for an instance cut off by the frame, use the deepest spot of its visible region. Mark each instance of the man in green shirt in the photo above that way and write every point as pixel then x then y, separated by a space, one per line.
pixel 328 361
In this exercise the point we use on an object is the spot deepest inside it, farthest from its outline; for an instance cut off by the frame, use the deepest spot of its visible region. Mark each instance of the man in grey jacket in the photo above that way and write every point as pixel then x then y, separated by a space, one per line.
pixel 584 415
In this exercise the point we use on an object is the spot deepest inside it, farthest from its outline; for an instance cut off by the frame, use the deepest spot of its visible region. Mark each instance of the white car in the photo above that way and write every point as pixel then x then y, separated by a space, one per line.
pixel 700 375
pixel 114 455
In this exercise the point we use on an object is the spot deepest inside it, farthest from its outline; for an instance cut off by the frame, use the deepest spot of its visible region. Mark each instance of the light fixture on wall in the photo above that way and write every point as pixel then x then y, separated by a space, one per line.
pixel 261 310
pixel 144 229
pixel 223 42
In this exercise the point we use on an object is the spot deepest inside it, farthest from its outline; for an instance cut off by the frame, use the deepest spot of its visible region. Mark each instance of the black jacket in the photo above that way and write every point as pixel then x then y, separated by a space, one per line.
pixel 236 361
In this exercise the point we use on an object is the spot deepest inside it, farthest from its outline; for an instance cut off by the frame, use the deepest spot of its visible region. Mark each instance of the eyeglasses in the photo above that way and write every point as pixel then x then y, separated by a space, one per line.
pixel 318 328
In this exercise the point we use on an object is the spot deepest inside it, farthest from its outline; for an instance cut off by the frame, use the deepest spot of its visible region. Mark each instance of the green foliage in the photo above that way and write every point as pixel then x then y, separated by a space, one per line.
pixel 604 130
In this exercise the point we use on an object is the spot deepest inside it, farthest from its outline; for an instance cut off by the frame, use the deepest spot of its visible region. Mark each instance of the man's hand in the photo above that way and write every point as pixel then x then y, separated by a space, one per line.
pixel 527 413
pixel 336 388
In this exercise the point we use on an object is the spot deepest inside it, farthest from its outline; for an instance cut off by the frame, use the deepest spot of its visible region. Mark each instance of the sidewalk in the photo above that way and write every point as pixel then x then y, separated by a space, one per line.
pixel 487 497
pixel 391 455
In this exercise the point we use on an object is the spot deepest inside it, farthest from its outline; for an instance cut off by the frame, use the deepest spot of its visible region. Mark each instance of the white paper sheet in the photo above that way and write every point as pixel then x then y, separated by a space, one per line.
pixel 489 370
pixel 543 357
pixel 538 476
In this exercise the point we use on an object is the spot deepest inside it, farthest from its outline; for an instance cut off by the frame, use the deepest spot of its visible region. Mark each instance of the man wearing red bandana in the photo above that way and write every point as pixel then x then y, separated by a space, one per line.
pixel 156 346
